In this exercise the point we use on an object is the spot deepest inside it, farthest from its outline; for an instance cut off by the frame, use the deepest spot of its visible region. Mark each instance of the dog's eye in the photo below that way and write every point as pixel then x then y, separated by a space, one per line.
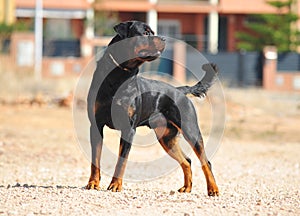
pixel 146 33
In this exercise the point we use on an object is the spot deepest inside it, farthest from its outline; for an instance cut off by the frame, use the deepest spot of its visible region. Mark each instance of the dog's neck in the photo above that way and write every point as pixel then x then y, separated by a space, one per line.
pixel 117 64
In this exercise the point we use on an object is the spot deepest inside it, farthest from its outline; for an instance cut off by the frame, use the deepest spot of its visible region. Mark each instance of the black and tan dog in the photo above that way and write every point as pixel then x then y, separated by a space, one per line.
pixel 121 100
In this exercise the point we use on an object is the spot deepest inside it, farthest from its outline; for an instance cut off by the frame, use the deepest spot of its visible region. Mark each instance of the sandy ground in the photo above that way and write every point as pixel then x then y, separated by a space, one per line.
pixel 43 170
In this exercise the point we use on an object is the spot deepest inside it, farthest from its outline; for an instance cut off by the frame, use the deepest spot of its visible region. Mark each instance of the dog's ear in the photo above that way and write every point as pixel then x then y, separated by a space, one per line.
pixel 122 28
pixel 149 29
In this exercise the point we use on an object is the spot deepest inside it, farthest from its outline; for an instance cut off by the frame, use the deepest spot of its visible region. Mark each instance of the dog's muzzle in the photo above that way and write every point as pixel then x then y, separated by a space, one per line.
pixel 150 48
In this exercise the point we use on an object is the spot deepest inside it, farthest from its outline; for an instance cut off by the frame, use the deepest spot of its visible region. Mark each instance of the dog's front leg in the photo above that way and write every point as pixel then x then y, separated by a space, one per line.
pixel 125 146
pixel 96 137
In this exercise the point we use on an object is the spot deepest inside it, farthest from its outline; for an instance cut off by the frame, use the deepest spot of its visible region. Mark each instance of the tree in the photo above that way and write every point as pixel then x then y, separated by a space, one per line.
pixel 5 33
pixel 104 22
pixel 6 30
pixel 272 29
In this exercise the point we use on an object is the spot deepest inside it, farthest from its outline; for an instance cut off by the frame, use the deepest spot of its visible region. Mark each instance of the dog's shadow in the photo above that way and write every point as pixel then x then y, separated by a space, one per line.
pixel 50 187
pixel 18 185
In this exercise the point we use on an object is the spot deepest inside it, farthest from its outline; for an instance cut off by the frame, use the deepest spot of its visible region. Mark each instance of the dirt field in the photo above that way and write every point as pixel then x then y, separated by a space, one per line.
pixel 43 170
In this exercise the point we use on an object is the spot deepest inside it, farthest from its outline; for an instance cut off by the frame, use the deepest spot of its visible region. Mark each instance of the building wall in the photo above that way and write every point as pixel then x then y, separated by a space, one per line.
pixel 191 24
pixel 188 21
pixel 132 16
pixel 7 11
pixel 77 28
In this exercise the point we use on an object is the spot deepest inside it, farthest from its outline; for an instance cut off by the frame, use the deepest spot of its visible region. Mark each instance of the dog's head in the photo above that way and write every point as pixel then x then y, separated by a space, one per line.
pixel 135 40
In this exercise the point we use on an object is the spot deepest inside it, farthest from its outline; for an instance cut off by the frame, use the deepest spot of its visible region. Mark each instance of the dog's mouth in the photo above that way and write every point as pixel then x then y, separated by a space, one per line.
pixel 149 48
pixel 148 54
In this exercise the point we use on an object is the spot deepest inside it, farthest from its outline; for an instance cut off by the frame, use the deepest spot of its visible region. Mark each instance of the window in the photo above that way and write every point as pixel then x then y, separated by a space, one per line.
pixel 58 29
pixel 170 28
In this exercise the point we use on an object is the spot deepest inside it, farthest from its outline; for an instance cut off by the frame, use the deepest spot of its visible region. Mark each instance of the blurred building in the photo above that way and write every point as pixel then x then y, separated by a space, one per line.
pixel 69 41
pixel 209 25
pixel 64 24
pixel 62 19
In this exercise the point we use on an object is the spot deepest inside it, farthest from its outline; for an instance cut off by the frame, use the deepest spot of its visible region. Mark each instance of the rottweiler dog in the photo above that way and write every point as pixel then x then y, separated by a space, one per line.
pixel 121 100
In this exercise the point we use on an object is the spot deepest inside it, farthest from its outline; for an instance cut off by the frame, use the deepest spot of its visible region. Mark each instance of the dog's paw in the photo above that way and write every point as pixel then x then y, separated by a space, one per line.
pixel 93 185
pixel 185 189
pixel 213 191
pixel 115 185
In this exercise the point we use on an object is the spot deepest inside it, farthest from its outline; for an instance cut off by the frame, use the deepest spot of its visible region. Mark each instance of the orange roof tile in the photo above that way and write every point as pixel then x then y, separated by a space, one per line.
pixel 55 4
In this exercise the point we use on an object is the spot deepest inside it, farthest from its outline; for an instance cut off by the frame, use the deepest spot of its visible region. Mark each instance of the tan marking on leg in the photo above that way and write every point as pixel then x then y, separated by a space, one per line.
pixel 116 182
pixel 212 188
pixel 94 180
pixel 173 149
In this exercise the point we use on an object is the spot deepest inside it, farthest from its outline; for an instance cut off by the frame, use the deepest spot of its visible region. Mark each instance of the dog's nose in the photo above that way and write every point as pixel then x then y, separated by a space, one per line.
pixel 161 37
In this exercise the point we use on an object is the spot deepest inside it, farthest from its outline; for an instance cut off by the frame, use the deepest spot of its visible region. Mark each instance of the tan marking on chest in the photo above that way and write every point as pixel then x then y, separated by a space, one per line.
pixel 130 111
pixel 96 107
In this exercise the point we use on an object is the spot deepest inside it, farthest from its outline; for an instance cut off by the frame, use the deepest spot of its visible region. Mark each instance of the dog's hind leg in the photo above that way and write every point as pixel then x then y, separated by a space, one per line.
pixel 168 140
pixel 125 146
pixel 192 134
pixel 96 137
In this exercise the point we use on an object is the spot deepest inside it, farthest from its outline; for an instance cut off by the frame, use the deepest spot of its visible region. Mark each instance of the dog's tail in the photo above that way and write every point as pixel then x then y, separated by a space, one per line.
pixel 200 89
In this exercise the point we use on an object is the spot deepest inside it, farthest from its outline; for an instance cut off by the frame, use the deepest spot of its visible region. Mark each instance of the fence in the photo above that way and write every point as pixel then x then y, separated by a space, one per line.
pixel 289 61
pixel 236 68
pixel 281 71
pixel 245 68
pixel 239 68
